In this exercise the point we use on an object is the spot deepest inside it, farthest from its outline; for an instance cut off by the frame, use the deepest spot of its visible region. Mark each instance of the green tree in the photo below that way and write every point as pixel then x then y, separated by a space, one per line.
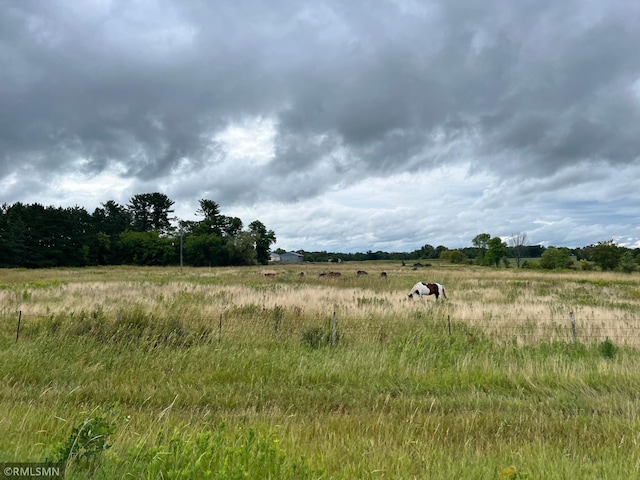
pixel 627 262
pixel 146 248
pixel 555 258
pixel 215 222
pixel 111 218
pixel 496 250
pixel 263 239
pixel 109 221
pixel 77 240
pixel 481 242
pixel 14 236
pixel 427 251
pixel 205 250
pixel 606 254
pixel 454 256
pixel 212 221
pixel 150 211
pixel 241 249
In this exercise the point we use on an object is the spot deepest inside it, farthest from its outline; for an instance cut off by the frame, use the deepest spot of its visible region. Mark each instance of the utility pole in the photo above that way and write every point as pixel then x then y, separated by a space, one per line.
pixel 180 223
pixel 181 227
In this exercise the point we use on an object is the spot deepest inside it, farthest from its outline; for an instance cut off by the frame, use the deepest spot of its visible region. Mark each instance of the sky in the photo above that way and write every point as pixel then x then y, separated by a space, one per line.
pixel 352 126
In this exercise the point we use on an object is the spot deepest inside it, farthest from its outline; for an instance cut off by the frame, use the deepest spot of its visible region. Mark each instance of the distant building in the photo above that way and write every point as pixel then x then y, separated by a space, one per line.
pixel 291 257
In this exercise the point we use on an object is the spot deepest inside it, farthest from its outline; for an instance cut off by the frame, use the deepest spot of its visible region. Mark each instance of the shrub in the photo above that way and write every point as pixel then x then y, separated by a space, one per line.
pixel 585 265
pixel 88 440
pixel 608 349
pixel 555 258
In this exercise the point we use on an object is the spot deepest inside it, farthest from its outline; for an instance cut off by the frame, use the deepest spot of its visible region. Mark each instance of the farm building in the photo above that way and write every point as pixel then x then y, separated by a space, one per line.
pixel 291 257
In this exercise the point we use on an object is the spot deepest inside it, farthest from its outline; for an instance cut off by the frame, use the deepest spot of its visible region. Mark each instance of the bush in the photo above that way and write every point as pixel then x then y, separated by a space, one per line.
pixel 585 265
pixel 88 440
pixel 555 258
pixel 608 349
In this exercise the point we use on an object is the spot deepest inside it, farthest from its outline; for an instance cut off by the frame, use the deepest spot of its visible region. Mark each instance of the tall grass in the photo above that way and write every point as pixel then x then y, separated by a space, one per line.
pixel 138 355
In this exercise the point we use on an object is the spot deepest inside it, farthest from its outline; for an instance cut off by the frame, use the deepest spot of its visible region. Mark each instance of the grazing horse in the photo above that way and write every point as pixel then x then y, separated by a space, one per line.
pixel 424 289
pixel 330 274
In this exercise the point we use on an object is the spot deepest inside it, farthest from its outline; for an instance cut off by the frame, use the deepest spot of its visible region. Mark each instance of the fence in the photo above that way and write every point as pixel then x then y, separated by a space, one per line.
pixel 275 324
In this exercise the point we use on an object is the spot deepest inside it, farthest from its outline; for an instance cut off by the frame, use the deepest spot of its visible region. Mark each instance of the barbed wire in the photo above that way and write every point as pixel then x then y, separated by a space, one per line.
pixel 505 330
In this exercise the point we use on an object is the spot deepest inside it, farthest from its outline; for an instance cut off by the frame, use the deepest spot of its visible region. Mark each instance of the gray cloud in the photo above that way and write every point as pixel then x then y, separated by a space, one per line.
pixel 513 90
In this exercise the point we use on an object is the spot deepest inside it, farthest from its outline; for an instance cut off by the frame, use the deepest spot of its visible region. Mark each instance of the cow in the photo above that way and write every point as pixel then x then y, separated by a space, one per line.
pixel 362 272
pixel 425 289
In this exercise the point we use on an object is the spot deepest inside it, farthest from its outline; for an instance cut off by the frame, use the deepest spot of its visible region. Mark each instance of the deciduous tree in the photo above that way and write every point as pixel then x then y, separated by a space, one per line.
pixel 518 244
pixel 555 258
pixel 263 239
pixel 496 250
pixel 606 254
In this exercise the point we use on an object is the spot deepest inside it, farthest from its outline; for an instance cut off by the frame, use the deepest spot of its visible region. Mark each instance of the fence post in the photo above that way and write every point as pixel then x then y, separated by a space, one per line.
pixel 220 329
pixel 18 329
pixel 277 317
pixel 573 326
pixel 334 330
pixel 449 323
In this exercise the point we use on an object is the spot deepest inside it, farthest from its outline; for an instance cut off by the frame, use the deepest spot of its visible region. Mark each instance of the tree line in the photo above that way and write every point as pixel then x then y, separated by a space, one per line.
pixel 142 232
pixel 606 255
pixel 493 251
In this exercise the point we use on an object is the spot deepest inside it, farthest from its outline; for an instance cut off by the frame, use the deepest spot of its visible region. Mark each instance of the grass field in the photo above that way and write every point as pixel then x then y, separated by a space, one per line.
pixel 229 373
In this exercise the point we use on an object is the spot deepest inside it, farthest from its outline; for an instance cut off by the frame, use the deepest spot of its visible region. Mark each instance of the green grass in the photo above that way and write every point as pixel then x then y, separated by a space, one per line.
pixel 166 397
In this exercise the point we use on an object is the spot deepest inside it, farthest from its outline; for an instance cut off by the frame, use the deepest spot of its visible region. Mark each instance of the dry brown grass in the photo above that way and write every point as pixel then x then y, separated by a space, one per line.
pixel 398 398
pixel 603 304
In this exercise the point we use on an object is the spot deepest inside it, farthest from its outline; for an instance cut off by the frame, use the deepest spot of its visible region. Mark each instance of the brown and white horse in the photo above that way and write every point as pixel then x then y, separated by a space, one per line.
pixel 425 289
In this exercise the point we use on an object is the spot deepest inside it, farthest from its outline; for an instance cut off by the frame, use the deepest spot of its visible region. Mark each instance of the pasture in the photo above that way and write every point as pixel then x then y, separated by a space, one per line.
pixel 126 372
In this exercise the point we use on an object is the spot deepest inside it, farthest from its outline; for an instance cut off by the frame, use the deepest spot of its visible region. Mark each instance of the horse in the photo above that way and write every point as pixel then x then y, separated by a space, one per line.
pixel 425 289
pixel 330 274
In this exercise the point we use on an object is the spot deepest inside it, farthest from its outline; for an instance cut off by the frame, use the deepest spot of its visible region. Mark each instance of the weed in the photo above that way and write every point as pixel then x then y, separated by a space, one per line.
pixel 88 440
pixel 315 337
pixel 220 455
pixel 510 473
pixel 607 349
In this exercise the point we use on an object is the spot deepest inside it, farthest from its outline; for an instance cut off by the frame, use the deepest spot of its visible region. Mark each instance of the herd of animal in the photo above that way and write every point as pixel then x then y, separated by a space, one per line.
pixel 420 289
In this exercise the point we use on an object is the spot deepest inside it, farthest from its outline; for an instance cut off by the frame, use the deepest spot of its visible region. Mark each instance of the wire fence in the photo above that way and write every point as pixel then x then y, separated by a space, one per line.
pixel 330 329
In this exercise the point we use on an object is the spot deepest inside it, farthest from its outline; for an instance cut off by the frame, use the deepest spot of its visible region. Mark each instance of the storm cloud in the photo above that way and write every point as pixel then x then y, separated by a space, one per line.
pixel 451 118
